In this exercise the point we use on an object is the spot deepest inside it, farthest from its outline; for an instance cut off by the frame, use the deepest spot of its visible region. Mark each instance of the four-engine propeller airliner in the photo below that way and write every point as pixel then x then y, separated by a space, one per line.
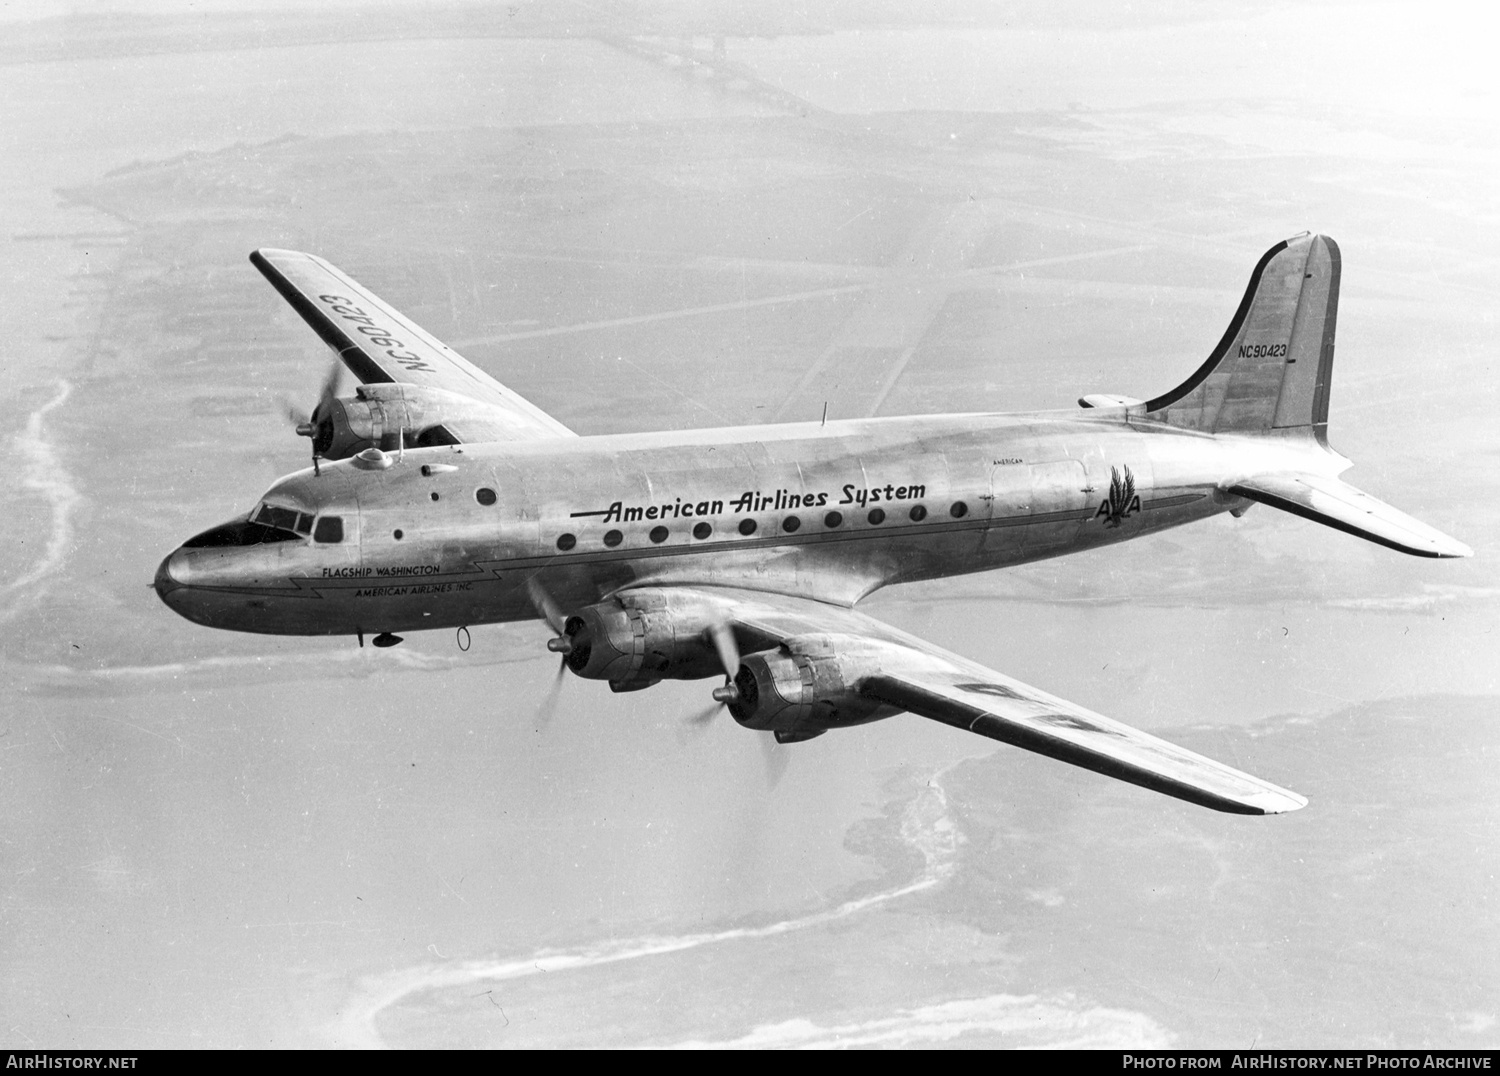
pixel 439 498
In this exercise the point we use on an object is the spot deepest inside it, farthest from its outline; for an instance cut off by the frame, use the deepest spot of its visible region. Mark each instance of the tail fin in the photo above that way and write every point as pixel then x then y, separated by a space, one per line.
pixel 1272 369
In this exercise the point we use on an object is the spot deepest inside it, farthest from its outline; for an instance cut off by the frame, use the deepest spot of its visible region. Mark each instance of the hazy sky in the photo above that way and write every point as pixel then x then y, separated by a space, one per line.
pixel 233 840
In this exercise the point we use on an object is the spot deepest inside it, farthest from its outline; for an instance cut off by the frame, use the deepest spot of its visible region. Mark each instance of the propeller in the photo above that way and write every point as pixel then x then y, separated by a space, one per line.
pixel 548 611
pixel 729 657
pixel 548 708
pixel 560 644
pixel 776 756
pixel 700 721
pixel 728 650
pixel 307 425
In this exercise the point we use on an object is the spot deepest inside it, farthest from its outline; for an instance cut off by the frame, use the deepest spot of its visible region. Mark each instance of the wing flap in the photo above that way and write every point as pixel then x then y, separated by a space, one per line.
pixel 380 345
pixel 1339 505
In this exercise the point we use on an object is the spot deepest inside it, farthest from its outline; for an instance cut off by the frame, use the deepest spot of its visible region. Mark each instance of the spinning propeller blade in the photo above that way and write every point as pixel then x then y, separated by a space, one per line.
pixel 728 650
pixel 307 425
pixel 560 644
pixel 546 608
pixel 548 709
pixel 776 757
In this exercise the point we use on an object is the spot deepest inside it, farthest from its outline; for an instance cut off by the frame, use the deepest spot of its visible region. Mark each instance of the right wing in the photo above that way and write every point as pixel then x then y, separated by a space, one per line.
pixel 888 666
pixel 982 701
pixel 381 345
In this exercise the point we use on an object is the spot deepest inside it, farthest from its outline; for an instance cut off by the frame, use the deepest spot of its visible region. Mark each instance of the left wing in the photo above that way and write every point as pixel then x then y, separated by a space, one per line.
pixel 381 345
pixel 883 665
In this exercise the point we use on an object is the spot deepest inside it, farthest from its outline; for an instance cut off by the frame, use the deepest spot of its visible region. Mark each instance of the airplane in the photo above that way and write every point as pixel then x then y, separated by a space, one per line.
pixel 439 498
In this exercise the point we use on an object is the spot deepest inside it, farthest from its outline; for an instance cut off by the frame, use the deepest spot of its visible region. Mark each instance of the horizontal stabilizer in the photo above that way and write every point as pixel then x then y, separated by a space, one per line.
pixel 1339 505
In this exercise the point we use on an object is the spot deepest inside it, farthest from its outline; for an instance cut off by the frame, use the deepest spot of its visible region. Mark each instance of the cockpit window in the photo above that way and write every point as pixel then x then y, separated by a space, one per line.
pixel 287 519
pixel 329 529
pixel 240 532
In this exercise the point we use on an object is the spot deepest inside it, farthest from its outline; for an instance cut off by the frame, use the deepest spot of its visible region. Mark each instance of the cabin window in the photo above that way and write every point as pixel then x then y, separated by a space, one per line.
pixel 833 519
pixel 485 496
pixel 330 529
pixel 613 538
pixel 747 527
pixel 790 524
pixel 566 542
pixel 876 516
pixel 702 531
pixel 959 510
pixel 917 513
pixel 659 534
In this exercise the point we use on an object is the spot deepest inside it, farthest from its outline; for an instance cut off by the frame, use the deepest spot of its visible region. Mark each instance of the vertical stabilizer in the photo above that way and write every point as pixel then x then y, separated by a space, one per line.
pixel 1273 368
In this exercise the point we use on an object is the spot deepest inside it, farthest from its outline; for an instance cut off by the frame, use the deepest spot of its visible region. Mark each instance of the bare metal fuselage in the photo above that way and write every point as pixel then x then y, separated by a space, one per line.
pixel 838 511
pixel 737 552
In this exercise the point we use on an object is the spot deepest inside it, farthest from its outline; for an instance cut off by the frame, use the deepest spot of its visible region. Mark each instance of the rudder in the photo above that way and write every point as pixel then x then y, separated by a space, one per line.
pixel 1273 368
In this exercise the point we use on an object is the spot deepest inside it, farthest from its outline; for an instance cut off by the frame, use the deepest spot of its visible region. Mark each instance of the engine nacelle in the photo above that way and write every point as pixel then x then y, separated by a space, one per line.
pixel 634 645
pixel 801 689
pixel 387 416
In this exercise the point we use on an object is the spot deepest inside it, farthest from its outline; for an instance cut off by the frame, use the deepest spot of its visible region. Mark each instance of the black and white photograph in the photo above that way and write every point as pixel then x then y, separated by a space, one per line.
pixel 597 524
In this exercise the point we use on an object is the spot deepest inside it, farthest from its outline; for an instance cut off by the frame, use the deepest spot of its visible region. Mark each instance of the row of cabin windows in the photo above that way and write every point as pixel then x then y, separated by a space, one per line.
pixel 282 524
pixel 486 496
pixel 747 527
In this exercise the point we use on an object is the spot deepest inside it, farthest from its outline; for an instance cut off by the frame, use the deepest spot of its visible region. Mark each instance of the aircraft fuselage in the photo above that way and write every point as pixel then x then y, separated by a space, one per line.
pixel 450 536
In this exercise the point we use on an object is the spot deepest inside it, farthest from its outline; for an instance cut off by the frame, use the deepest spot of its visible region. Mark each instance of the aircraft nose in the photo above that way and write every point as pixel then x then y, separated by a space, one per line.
pixel 168 575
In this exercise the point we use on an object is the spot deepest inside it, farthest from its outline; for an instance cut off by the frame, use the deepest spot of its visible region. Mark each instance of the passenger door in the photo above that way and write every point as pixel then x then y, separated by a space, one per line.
pixel 1059 505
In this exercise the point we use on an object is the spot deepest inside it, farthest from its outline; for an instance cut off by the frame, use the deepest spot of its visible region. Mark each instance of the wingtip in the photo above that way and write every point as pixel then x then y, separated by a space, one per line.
pixel 1440 547
pixel 1278 801
pixel 264 255
pixel 1455 550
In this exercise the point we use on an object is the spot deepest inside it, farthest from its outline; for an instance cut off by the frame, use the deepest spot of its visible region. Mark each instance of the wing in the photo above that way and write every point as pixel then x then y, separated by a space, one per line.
pixel 379 345
pixel 981 700
pixel 884 665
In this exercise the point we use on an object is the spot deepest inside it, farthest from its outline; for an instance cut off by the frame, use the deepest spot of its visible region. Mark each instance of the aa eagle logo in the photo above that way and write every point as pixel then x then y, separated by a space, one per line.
pixel 1122 500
